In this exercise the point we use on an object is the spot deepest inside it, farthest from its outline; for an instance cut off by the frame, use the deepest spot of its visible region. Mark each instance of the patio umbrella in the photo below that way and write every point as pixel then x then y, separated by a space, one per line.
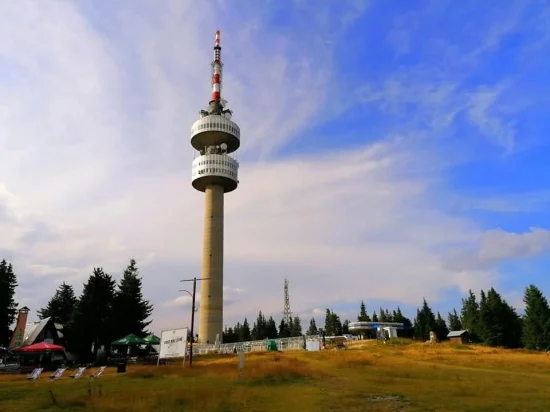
pixel 42 347
pixel 131 339
pixel 152 340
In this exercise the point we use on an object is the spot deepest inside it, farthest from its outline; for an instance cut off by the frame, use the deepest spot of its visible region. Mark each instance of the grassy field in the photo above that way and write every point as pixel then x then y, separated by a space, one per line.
pixel 366 377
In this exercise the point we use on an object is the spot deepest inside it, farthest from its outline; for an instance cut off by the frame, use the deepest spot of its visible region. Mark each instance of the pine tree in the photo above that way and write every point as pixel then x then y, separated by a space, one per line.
pixel 312 330
pixel 336 324
pixel 345 327
pixel 441 329
pixel 284 329
pixel 61 306
pixel 536 322
pixel 8 306
pixel 454 321
pixel 333 325
pixel 92 323
pixel 375 317
pixel 424 322
pixel 499 323
pixel 363 315
pixel 398 317
pixel 229 335
pixel 514 326
pixel 484 319
pixel 130 309
pixel 259 328
pixel 290 325
pixel 245 334
pixel 470 316
pixel 271 328
pixel 237 332
pixel 296 327
pixel 407 324
pixel 329 324
pixel 383 317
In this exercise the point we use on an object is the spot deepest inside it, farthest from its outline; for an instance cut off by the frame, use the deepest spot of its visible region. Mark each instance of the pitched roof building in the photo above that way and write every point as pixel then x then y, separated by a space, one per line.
pixel 45 330
pixel 459 336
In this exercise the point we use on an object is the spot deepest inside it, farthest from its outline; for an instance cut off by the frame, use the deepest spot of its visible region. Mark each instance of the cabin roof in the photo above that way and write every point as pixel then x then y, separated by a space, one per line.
pixel 456 333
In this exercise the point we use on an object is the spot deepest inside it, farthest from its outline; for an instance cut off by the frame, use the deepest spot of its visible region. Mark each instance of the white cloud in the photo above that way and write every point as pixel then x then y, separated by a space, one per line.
pixel 317 312
pixel 496 245
pixel 95 132
pixel 180 301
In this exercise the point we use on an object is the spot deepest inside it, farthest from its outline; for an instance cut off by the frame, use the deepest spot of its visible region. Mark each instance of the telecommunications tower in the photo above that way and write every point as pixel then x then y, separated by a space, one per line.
pixel 215 172
pixel 287 314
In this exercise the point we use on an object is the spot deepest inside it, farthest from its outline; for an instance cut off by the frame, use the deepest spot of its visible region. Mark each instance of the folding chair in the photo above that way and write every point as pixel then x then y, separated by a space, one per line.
pixel 78 373
pixel 35 375
pixel 57 374
pixel 97 373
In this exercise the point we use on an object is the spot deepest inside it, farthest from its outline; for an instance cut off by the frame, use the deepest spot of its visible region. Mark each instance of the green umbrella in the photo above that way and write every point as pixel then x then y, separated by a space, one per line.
pixel 152 340
pixel 131 339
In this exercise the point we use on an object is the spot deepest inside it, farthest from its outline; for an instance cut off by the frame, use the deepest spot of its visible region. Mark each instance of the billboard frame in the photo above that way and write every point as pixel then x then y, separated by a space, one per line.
pixel 185 350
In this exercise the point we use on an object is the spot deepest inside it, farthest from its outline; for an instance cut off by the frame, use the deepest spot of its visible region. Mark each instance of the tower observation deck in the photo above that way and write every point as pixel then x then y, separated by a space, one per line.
pixel 215 137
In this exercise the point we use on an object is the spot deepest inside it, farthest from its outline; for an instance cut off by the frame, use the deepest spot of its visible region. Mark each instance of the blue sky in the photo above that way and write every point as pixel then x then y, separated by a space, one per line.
pixel 390 150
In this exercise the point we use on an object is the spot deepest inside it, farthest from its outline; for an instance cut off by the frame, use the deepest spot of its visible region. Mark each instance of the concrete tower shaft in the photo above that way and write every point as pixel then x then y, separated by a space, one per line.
pixel 211 303
pixel 215 137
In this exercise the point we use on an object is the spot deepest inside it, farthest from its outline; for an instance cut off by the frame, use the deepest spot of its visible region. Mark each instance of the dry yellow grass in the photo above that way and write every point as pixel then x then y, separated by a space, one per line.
pixel 366 377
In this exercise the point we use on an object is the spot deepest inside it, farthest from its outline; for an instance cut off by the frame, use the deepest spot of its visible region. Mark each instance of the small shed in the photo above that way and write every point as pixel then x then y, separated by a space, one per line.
pixel 313 345
pixel 459 336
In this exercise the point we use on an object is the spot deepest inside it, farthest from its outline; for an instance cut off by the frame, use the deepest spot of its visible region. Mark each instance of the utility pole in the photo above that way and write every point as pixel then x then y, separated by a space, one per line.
pixel 194 280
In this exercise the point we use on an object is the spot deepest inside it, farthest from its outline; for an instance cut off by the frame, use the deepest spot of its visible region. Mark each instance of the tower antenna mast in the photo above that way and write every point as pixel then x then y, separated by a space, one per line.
pixel 287 314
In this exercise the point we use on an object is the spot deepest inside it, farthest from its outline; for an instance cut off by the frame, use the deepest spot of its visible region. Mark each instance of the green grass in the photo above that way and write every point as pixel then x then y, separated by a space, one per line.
pixel 404 376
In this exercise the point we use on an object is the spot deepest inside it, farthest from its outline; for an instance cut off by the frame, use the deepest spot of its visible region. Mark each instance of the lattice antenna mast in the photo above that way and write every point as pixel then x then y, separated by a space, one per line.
pixel 287 314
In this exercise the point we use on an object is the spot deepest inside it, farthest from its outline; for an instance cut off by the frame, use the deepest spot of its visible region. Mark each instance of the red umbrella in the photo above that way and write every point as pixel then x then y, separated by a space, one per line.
pixel 42 347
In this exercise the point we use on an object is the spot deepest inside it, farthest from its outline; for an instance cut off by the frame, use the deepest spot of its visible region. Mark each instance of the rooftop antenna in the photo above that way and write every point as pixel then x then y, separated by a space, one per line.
pixel 287 314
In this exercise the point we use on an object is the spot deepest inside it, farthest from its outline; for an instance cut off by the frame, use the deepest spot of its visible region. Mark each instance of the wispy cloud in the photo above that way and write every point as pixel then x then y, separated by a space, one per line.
pixel 484 114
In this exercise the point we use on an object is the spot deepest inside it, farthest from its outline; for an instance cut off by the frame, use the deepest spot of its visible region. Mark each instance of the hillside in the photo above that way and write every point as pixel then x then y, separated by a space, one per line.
pixel 367 377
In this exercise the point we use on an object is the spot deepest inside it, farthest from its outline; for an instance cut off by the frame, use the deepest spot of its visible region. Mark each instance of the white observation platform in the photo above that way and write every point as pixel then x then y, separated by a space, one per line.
pixel 215 137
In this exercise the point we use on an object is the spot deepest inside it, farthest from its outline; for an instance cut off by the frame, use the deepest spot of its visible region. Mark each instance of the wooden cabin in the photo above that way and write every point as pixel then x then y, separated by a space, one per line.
pixel 459 336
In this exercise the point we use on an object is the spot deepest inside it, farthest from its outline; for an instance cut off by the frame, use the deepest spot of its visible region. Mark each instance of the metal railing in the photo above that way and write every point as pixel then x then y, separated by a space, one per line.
pixel 283 344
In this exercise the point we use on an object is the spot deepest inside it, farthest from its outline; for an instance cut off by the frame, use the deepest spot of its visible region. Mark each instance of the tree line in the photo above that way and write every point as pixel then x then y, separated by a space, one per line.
pixel 264 328
pixel 104 311
pixel 490 320
pixel 107 310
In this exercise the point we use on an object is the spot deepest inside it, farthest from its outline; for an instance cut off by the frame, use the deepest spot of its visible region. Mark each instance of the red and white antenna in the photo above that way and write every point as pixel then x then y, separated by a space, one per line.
pixel 217 67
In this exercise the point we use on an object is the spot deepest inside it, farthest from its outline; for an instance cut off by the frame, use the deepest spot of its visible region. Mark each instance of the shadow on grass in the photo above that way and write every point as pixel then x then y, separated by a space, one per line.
pixel 400 342
pixel 461 346
pixel 275 379
pixel 144 376
pixel 376 402
pixel 13 395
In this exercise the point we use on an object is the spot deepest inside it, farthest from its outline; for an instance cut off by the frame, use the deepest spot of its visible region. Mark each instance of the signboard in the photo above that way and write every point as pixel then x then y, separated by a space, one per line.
pixel 173 343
